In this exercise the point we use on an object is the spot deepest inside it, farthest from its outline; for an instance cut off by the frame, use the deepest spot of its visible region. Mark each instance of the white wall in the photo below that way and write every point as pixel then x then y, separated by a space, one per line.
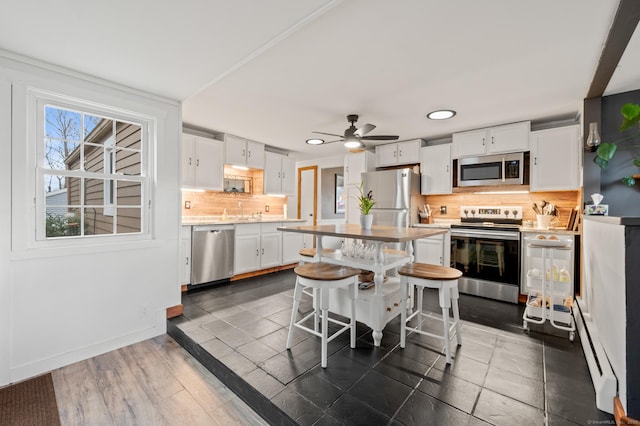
pixel 604 284
pixel 5 227
pixel 62 305
pixel 322 163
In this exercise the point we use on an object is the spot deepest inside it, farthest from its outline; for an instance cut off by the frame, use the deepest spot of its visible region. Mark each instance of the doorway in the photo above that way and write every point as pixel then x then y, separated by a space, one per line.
pixel 308 199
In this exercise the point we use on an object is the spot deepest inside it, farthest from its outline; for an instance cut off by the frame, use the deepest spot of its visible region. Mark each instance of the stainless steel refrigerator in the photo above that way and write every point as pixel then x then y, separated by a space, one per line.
pixel 397 196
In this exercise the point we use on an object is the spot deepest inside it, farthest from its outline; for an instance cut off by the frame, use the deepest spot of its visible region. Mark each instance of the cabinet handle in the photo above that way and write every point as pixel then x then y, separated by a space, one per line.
pixel 263 251
pixel 278 175
pixel 491 140
pixel 482 141
pixel 189 160
pixel 244 153
pixel 395 154
pixel 400 153
pixel 282 175
pixel 257 252
pixel 447 168
pixel 198 162
pixel 535 161
pixel 248 154
pixel 187 260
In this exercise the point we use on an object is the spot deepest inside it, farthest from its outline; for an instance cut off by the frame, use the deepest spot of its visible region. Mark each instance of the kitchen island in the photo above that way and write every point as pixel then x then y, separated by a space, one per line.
pixel 378 305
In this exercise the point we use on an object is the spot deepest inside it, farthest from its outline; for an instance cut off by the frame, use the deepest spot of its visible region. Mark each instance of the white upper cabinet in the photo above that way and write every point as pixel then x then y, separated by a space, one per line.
pixel 202 163
pixel 244 152
pixel 492 140
pixel 394 154
pixel 435 169
pixel 279 174
pixel 555 159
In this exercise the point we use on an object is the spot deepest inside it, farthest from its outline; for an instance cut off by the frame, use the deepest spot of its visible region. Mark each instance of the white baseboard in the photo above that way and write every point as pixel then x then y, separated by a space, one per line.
pixel 42 366
pixel 603 378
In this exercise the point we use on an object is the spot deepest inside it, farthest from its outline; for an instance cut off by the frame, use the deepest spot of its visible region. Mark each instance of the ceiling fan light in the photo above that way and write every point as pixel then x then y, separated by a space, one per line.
pixel 353 143
pixel 441 114
pixel 315 141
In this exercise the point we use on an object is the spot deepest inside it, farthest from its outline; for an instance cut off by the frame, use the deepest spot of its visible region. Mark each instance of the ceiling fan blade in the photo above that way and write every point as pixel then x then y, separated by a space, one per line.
pixel 380 138
pixel 337 140
pixel 363 130
pixel 328 134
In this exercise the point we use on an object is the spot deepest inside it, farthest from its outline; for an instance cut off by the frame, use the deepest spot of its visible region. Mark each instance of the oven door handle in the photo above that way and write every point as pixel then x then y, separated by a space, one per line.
pixel 486 234
pixel 503 167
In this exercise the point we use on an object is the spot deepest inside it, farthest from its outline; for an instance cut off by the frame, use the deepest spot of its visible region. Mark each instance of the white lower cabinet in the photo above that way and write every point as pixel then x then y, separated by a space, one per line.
pixel 435 250
pixel 270 245
pixel 257 246
pixel 185 255
pixel 246 256
pixel 292 243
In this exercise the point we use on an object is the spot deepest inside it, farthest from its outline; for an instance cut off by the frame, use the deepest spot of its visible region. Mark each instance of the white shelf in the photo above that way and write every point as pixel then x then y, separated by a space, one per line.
pixel 549 282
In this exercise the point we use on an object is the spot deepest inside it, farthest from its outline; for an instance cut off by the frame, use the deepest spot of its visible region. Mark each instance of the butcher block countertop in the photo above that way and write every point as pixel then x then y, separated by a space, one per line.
pixel 217 220
pixel 389 234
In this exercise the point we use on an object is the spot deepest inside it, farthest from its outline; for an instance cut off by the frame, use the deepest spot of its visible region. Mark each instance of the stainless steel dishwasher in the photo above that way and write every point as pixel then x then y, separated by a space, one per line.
pixel 211 253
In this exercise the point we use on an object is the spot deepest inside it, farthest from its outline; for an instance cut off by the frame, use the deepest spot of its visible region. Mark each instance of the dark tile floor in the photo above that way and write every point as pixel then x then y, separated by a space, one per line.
pixel 500 375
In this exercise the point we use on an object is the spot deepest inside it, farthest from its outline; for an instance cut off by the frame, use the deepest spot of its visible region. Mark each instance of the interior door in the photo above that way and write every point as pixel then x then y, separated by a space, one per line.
pixel 307 199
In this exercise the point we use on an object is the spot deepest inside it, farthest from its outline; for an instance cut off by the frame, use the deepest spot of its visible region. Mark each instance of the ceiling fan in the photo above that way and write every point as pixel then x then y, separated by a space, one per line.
pixel 353 136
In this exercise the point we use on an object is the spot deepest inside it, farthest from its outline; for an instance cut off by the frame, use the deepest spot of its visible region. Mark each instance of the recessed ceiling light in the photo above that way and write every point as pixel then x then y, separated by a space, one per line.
pixel 441 114
pixel 315 141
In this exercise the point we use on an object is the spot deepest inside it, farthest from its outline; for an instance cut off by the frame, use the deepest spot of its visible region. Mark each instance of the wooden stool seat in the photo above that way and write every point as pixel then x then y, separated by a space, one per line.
pixel 394 252
pixel 311 252
pixel 443 278
pixel 325 271
pixel 430 272
pixel 322 277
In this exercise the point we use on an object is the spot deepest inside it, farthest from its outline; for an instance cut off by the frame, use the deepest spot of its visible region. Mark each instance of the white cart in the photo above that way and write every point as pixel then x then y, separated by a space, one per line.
pixel 549 282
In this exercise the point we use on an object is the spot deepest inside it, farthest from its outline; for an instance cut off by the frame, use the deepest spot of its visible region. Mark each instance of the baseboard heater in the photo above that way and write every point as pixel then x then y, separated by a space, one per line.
pixel 602 376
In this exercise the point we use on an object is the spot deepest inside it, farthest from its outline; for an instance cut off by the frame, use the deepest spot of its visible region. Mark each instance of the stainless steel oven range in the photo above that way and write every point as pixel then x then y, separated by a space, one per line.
pixel 485 246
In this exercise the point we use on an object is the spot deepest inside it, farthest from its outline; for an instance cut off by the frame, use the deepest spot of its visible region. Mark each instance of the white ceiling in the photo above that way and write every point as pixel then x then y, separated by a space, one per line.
pixel 276 71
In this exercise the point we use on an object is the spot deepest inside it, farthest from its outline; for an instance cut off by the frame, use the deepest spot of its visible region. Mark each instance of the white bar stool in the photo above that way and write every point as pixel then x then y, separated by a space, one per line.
pixel 308 255
pixel 322 277
pixel 443 278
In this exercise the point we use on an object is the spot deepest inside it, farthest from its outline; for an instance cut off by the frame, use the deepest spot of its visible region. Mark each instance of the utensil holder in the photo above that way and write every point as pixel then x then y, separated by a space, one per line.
pixel 544 221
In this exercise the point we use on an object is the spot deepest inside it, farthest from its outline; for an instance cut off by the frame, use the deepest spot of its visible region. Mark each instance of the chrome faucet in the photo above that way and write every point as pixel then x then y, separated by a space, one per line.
pixel 241 210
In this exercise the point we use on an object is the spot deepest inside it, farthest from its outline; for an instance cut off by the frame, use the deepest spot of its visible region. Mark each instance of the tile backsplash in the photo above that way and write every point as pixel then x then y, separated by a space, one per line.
pixel 211 203
pixel 564 201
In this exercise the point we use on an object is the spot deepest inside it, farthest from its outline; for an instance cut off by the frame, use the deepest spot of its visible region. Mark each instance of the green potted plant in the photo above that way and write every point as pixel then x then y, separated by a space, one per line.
pixel 365 203
pixel 605 152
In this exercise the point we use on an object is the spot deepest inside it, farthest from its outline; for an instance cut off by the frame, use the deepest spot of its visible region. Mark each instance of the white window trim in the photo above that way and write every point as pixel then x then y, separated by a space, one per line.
pixel 36 100
pixel 109 164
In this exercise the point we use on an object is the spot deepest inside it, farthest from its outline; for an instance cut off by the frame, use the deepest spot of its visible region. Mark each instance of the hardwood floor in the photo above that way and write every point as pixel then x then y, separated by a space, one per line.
pixel 154 382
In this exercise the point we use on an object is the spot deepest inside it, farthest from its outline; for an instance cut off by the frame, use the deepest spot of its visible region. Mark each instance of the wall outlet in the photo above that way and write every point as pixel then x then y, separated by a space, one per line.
pixel 266 209
pixel 443 209
pixel 187 204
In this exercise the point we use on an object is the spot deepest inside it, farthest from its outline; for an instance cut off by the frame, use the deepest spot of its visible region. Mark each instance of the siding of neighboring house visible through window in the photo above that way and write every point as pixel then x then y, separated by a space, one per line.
pixel 128 193
pixel 55 199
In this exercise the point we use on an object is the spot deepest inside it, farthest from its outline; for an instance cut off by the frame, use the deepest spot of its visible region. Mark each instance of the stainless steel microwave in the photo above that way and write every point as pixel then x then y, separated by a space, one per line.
pixel 500 169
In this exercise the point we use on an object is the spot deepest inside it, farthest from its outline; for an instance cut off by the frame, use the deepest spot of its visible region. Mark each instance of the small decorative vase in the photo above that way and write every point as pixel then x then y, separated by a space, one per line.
pixel 366 220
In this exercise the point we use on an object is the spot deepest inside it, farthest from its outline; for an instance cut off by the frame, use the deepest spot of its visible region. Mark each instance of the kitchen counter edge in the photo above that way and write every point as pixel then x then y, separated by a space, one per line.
pixel 237 222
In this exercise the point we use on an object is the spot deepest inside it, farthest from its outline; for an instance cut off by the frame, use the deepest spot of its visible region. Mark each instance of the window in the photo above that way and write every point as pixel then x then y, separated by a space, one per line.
pixel 92 177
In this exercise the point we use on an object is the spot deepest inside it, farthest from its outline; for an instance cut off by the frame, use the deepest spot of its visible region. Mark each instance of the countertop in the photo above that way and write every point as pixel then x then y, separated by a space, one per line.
pixel 392 234
pixel 217 220
pixel 447 225
pixel 614 220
